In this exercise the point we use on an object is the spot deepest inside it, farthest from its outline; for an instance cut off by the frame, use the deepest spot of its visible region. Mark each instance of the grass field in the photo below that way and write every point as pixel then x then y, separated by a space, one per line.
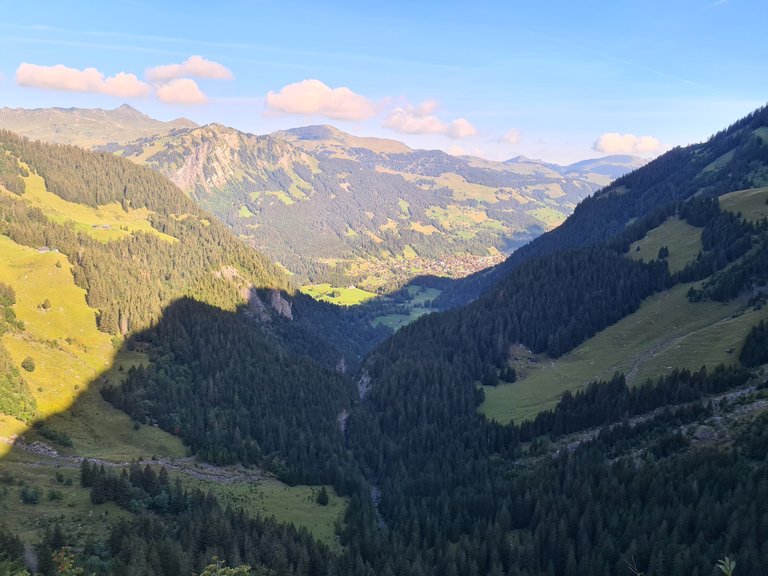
pixel 463 190
pixel 244 212
pixel 98 430
pixel 549 216
pixel 341 296
pixel 751 203
pixel 665 331
pixel 397 321
pixel 682 239
pixel 427 230
pixel 70 505
pixel 417 307
pixel 107 222
pixel 293 504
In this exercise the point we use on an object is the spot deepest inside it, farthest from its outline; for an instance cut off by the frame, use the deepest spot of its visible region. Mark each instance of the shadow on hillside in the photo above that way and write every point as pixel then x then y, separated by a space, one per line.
pixel 202 382
pixel 209 378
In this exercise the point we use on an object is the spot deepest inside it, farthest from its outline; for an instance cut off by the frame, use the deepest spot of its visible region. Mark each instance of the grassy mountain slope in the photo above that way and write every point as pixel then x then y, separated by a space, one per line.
pixel 85 127
pixel 335 207
pixel 667 331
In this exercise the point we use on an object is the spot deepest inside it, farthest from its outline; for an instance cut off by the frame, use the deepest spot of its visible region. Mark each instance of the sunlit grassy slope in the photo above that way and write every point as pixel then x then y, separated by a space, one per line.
pixel 343 296
pixel 666 331
pixel 68 350
pixel 107 222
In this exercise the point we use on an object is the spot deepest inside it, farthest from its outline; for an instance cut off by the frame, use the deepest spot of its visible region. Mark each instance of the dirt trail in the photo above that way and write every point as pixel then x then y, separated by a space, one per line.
pixel 570 442
pixel 189 466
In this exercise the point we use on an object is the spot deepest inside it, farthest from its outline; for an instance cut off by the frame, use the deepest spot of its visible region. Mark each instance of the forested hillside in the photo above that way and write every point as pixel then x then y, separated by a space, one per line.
pixel 733 159
pixel 337 208
pixel 95 248
pixel 177 251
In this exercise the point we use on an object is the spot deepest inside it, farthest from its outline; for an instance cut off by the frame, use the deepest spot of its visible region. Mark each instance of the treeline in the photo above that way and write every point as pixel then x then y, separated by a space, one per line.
pixel 755 349
pixel 177 532
pixel 15 396
pixel 605 402
pixel 10 174
pixel 233 396
pixel 95 179
pixel 749 273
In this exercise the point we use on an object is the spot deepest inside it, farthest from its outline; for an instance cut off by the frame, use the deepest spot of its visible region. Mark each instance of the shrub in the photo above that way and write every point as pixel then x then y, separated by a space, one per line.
pixel 28 364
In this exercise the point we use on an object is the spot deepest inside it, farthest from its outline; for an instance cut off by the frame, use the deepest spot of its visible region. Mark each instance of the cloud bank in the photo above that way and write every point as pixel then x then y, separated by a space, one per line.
pixel 421 120
pixel 61 77
pixel 314 98
pixel 615 143
pixel 194 66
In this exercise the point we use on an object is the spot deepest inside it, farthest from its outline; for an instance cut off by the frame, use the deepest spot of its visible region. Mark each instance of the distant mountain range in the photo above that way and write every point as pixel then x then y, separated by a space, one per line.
pixel 330 206
pixel 85 127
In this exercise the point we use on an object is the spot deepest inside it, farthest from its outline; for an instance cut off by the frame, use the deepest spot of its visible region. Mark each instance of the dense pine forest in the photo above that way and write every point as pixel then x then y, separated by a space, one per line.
pixel 663 477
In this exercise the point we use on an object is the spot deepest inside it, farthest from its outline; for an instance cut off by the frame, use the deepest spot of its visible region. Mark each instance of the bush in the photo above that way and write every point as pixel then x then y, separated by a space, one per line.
pixel 28 364
pixel 55 436
pixel 30 495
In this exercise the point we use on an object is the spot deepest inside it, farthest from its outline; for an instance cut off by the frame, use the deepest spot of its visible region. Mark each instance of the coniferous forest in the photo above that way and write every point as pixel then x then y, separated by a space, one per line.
pixel 660 477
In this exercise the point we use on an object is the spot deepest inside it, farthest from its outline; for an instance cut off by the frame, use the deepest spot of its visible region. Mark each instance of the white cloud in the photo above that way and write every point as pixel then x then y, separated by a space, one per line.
pixel 615 143
pixel 181 91
pixel 409 121
pixel 511 137
pixel 421 120
pixel 194 66
pixel 61 77
pixel 461 128
pixel 314 98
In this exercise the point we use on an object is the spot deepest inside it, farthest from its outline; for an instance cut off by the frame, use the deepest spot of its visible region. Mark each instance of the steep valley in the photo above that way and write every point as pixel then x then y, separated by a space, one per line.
pixel 597 403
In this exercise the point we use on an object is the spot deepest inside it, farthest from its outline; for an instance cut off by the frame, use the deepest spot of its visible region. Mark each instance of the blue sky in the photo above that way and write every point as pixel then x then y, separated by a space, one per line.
pixel 560 81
